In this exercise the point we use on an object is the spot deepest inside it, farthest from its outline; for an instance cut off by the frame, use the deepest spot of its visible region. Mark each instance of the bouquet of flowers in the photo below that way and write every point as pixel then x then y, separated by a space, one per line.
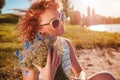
pixel 36 52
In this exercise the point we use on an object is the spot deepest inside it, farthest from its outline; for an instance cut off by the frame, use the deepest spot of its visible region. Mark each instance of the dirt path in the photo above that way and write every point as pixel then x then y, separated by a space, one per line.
pixel 96 60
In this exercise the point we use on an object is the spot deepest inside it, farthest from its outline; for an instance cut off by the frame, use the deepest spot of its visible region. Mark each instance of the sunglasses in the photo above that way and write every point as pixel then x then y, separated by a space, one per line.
pixel 56 21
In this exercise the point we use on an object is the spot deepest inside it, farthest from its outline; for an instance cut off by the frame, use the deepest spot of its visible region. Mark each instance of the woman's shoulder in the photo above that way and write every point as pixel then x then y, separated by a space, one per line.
pixel 66 40
pixel 63 38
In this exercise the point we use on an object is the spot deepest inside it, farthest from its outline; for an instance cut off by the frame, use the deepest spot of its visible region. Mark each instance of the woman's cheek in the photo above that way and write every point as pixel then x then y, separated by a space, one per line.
pixel 48 30
pixel 60 31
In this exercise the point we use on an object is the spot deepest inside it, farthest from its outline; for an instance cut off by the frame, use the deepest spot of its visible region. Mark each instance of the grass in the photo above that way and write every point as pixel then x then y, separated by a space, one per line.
pixel 8 18
pixel 84 38
pixel 79 36
pixel 8 43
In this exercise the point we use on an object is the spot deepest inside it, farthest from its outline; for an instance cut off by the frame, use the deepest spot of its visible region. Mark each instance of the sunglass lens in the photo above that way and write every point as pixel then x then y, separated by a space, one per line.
pixel 63 16
pixel 55 23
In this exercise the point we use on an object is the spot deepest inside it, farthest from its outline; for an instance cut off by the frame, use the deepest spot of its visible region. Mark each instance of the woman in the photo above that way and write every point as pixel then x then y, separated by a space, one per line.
pixel 44 16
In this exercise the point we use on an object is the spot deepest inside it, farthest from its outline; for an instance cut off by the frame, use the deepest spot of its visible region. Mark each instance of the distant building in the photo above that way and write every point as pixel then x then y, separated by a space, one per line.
pixel 76 18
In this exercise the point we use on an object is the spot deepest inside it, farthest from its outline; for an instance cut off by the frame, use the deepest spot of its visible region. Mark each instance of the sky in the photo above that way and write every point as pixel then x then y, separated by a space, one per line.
pixel 15 4
pixel 102 7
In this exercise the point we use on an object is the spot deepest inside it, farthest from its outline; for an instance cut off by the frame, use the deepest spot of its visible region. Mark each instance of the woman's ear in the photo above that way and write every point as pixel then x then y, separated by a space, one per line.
pixel 31 13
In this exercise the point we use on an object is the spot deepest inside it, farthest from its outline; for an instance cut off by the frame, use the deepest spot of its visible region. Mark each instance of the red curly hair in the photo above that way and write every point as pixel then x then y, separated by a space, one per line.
pixel 28 25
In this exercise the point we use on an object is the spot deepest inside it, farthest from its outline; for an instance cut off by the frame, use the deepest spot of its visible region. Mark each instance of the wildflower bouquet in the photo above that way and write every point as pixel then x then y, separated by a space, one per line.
pixel 36 52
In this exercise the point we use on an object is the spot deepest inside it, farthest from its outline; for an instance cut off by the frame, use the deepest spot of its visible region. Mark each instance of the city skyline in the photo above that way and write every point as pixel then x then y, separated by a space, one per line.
pixel 102 7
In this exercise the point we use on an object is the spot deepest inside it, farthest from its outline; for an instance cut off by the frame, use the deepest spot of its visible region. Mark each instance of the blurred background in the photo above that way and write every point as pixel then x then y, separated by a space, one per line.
pixel 93 26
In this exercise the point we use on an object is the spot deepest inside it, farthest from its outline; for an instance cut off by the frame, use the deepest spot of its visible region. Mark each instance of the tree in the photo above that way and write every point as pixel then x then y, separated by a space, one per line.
pixel 2 4
pixel 67 8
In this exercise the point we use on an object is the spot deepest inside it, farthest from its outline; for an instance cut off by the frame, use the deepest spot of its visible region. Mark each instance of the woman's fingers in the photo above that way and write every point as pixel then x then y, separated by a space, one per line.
pixel 58 62
pixel 54 57
pixel 53 61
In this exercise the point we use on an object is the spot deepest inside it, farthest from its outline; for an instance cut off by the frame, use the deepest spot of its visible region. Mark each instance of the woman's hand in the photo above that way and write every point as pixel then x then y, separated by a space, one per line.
pixel 49 71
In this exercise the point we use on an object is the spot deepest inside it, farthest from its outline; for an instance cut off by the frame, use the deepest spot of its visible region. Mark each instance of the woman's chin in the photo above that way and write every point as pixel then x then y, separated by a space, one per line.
pixel 60 34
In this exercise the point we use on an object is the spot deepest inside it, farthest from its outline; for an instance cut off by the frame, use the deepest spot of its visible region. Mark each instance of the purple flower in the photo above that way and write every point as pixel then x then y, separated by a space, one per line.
pixel 26 45
pixel 25 72
pixel 21 57
pixel 16 53
pixel 38 37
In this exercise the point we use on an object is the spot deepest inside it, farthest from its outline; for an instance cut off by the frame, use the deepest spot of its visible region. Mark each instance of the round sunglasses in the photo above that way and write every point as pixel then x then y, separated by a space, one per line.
pixel 56 21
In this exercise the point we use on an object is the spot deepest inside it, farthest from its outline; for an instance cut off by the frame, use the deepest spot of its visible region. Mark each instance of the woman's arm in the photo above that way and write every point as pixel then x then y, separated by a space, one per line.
pixel 76 68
